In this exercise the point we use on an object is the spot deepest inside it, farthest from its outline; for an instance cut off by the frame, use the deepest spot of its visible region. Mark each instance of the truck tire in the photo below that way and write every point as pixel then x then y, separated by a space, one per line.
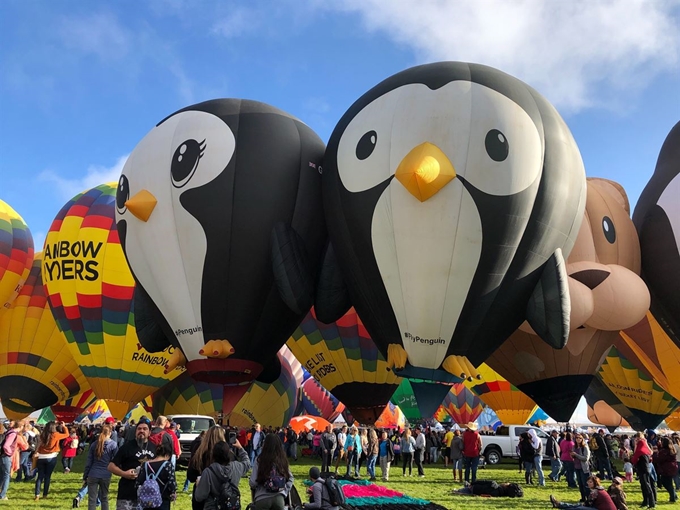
pixel 492 455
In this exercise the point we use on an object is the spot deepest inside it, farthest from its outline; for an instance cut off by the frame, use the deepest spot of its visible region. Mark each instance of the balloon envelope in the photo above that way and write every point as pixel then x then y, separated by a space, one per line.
pixel 70 409
pixel 448 188
pixel 344 359
pixel 36 368
pixel 318 401
pixel 307 423
pixel 606 295
pixel 462 404
pixel 90 291
pixel 657 218
pixel 16 254
pixel 510 404
pixel 219 206
pixel 636 390
pixel 391 418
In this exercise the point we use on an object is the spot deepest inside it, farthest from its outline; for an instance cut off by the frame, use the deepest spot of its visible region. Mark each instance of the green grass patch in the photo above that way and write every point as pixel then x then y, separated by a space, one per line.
pixel 436 487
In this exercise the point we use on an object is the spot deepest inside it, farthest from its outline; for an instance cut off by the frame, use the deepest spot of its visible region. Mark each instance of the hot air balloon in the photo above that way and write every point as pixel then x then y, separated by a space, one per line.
pixel 600 411
pixel 16 254
pixel 607 295
pixel 68 410
pixel 90 291
pixel 636 390
pixel 344 359
pixel 36 368
pixel 307 423
pixel 318 401
pixel 673 421
pixel 220 207
pixel 657 218
pixel 510 404
pixel 650 349
pixel 270 405
pixel 452 193
pixel 441 415
pixel 391 418
pixel 462 404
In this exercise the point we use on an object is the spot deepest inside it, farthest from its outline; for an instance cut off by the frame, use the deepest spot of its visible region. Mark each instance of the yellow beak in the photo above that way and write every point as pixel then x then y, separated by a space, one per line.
pixel 141 205
pixel 424 171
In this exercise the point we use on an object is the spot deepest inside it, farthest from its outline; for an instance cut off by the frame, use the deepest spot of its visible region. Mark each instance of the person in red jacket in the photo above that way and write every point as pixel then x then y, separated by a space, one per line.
pixel 472 448
pixel 69 448
pixel 641 460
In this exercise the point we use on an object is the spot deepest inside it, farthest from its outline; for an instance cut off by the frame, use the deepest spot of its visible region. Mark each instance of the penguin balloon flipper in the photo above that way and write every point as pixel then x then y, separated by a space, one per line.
pixel 291 268
pixel 332 299
pixel 149 332
pixel 549 307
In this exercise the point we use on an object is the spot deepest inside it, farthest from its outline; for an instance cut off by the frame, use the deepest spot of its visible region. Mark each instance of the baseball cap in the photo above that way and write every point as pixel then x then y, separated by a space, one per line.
pixel 110 419
pixel 314 473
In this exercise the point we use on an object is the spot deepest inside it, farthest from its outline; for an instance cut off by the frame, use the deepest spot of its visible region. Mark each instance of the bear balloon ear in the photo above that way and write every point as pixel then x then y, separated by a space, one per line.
pixel 332 297
pixel 614 189
pixel 549 307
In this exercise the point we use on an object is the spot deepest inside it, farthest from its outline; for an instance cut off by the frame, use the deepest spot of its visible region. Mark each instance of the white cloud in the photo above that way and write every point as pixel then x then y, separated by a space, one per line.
pixel 100 34
pixel 94 176
pixel 574 52
pixel 238 22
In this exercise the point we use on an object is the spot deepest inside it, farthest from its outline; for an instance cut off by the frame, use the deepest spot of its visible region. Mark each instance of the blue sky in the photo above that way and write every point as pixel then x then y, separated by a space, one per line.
pixel 83 82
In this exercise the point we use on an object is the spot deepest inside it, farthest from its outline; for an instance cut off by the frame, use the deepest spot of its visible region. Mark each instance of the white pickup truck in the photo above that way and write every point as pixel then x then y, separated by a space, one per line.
pixel 504 442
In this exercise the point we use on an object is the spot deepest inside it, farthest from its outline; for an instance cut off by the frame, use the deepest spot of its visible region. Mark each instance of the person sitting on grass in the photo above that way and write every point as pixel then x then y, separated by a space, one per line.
pixel 615 491
pixel 598 498
pixel 318 492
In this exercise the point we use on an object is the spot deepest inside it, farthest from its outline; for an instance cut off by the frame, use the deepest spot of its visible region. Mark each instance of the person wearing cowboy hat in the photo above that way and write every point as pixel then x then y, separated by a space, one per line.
pixel 472 448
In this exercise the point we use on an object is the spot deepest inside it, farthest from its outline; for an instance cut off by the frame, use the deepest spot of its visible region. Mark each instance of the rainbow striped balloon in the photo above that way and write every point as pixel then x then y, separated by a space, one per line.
pixel 16 254
pixel 68 410
pixel 90 289
pixel 462 405
pixel 270 405
pixel 36 368
pixel 509 403
pixel 345 360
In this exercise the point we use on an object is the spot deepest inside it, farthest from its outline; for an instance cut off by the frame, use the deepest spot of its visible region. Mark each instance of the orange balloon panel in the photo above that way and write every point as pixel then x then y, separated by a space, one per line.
pixel 649 348
pixel 36 368
pixel 302 423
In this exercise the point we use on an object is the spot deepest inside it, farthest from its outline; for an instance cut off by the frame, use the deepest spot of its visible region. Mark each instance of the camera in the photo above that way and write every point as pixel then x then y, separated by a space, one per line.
pixel 232 437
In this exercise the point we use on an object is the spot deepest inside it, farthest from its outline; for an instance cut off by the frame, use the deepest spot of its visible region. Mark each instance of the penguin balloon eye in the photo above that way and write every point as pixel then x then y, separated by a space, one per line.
pixel 496 145
pixel 608 229
pixel 366 145
pixel 185 161
pixel 122 194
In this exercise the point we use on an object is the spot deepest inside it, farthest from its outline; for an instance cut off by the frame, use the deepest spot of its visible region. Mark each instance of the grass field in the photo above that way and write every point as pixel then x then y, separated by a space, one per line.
pixel 436 487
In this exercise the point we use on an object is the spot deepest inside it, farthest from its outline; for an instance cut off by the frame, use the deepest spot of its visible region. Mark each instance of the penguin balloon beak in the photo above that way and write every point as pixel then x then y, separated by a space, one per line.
pixel 425 170
pixel 141 205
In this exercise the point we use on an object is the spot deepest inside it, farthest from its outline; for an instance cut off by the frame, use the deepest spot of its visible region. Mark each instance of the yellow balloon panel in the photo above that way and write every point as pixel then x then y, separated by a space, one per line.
pixel 16 254
pixel 635 389
pixel 510 404
pixel 90 290
pixel 36 368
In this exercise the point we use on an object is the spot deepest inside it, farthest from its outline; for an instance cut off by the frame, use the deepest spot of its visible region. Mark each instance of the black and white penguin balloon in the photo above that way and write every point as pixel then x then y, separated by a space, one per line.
pixel 453 192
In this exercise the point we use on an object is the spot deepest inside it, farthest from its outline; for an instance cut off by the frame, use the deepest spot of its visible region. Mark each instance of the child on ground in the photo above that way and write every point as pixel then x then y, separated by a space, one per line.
pixel 616 493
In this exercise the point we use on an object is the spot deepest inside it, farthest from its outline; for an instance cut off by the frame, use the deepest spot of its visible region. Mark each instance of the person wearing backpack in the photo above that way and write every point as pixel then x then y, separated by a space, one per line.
pixel 271 479
pixel 218 484
pixel 325 494
pixel 127 464
pixel 8 446
pixel 160 433
pixel 156 484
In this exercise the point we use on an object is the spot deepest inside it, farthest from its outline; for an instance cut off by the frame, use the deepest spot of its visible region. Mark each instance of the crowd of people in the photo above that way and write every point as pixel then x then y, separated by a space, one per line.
pixel 143 456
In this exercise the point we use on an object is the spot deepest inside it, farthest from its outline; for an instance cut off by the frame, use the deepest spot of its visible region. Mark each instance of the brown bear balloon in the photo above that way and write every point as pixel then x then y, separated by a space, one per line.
pixel 607 295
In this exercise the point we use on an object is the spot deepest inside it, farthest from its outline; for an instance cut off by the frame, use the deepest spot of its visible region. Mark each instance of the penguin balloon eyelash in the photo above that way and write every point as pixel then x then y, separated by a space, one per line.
pixel 185 161
pixel 496 145
pixel 122 194
pixel 366 145
pixel 608 229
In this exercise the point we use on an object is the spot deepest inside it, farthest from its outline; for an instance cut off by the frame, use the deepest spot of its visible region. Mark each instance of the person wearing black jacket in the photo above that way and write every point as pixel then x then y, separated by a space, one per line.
pixel 552 450
pixel 328 446
pixel 162 469
pixel 291 443
pixel 602 454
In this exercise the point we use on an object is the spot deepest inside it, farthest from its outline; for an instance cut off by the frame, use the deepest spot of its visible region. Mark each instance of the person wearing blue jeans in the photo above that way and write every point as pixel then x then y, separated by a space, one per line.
pixel 5 474
pixel 470 468
pixel 45 469
pixel 25 470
